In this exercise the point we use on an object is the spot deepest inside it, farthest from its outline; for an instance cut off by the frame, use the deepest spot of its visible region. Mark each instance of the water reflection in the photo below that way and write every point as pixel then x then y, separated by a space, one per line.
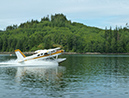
pixel 116 66
pixel 40 74
pixel 35 81
pixel 82 76
pixel 98 75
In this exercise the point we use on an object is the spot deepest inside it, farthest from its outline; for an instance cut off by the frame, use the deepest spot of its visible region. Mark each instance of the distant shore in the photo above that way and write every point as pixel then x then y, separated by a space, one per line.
pixel 29 53
pixel 14 52
pixel 92 53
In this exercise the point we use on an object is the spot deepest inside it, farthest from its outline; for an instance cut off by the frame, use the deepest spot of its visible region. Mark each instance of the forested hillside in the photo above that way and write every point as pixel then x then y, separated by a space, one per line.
pixel 58 31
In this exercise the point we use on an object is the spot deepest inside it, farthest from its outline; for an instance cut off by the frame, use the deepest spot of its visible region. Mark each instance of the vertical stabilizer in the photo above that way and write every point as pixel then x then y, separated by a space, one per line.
pixel 19 54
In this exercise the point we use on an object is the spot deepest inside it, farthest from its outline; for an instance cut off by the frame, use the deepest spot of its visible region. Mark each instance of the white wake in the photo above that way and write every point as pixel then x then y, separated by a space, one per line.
pixel 38 63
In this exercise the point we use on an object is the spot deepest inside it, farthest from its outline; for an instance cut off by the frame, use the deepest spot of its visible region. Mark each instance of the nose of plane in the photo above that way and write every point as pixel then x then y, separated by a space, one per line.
pixel 62 50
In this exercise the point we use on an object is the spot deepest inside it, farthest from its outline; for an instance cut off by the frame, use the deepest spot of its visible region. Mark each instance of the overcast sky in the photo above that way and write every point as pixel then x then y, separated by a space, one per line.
pixel 98 13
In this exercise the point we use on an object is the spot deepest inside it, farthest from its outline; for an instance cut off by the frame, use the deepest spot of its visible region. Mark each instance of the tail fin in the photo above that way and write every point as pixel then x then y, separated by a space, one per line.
pixel 19 54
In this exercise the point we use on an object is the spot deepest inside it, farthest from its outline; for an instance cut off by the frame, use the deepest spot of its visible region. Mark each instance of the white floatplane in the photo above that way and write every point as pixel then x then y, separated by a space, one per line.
pixel 41 55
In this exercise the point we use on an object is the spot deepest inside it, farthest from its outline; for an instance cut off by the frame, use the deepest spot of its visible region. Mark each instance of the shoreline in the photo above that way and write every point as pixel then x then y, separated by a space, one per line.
pixel 97 53
pixel 67 53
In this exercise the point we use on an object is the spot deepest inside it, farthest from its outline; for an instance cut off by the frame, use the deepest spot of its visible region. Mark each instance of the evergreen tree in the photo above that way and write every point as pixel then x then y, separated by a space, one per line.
pixel 71 36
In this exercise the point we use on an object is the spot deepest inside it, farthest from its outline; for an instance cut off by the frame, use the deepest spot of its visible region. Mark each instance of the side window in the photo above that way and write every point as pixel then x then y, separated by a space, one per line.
pixel 53 51
pixel 45 54
pixel 41 53
pixel 38 55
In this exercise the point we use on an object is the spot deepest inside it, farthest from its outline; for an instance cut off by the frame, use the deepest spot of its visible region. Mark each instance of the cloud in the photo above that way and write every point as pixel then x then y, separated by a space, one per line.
pixel 99 13
pixel 102 13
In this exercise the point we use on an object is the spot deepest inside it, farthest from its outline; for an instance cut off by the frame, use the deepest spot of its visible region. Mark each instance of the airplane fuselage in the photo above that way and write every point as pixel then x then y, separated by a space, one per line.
pixel 39 54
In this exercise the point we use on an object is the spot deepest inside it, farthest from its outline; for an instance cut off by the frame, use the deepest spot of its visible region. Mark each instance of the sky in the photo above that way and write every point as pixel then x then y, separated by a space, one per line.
pixel 97 13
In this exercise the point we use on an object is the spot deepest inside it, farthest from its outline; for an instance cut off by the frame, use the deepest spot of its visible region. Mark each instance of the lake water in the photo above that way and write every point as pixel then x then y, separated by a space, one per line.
pixel 80 76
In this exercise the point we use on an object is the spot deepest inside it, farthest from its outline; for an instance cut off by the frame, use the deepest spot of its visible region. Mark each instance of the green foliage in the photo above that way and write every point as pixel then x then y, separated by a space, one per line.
pixel 58 31
pixel 11 27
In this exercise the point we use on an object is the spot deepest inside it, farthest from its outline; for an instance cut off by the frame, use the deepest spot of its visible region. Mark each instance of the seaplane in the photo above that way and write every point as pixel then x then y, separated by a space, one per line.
pixel 41 55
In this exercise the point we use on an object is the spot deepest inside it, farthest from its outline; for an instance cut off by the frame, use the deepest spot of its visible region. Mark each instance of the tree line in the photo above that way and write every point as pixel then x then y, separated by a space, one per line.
pixel 57 31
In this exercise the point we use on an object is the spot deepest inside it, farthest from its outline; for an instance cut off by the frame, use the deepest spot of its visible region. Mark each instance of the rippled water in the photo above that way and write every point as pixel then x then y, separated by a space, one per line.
pixel 80 76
